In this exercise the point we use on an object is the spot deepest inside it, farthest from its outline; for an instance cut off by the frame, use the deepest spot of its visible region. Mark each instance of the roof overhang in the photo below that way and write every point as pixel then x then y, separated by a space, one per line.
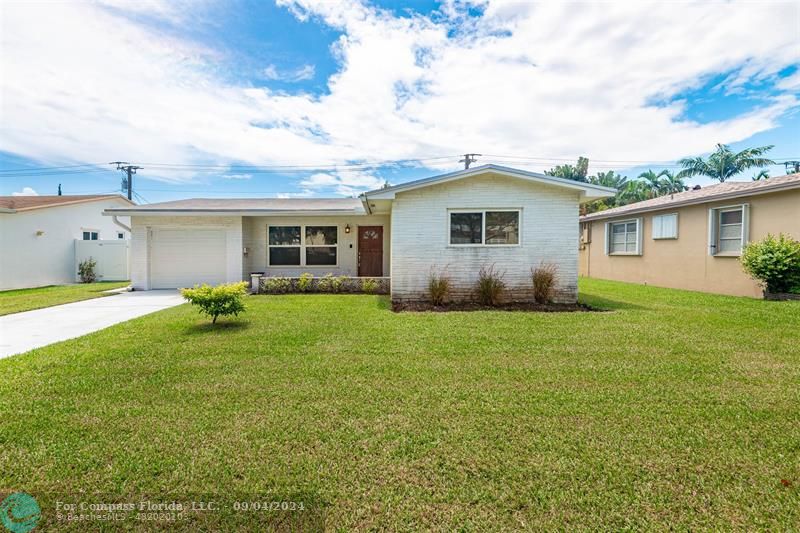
pixel 587 191
pixel 66 203
pixel 221 212
pixel 602 215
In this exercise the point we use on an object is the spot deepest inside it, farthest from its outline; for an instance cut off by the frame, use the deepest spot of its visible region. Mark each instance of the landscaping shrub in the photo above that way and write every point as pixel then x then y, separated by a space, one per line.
pixel 222 300
pixel 369 285
pixel 86 270
pixel 490 286
pixel 774 262
pixel 278 285
pixel 331 283
pixel 544 279
pixel 438 287
pixel 305 281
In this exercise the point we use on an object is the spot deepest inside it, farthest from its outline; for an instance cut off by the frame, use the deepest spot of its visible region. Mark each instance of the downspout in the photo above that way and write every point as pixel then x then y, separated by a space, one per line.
pixel 116 221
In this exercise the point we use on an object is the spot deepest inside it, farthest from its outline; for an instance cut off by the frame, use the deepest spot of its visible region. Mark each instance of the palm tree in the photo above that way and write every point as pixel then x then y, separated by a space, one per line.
pixel 634 191
pixel 654 181
pixel 609 179
pixel 763 174
pixel 672 183
pixel 724 163
pixel 575 172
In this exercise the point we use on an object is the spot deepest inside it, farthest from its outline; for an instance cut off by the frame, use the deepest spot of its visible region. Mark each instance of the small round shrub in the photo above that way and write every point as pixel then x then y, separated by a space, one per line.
pixel 222 300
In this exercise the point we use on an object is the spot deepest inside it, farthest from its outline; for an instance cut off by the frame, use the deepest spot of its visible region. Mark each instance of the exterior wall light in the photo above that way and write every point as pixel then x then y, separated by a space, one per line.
pixel 347 228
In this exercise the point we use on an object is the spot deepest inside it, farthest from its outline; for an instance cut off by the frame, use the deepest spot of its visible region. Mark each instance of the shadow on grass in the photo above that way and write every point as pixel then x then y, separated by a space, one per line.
pixel 604 304
pixel 220 326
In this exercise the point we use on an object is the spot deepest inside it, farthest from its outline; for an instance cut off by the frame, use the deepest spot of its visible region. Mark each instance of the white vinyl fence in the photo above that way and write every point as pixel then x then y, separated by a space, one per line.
pixel 112 256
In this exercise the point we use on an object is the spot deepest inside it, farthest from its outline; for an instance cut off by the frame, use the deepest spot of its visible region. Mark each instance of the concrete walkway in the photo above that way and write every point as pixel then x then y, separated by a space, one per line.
pixel 20 332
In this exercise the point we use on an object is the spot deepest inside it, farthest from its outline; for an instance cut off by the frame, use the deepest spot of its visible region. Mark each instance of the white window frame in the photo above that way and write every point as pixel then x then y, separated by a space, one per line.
pixel 715 225
pixel 610 232
pixel 483 212
pixel 303 245
pixel 653 226
pixel 90 231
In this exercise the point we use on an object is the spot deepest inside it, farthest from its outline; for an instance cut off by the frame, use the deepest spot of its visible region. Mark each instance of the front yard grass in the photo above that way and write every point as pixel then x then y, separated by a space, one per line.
pixel 677 411
pixel 19 300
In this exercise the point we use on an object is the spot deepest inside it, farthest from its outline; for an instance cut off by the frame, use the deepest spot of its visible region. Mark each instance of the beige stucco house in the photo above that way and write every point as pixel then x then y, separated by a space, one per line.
pixel 456 222
pixel 42 238
pixel 690 240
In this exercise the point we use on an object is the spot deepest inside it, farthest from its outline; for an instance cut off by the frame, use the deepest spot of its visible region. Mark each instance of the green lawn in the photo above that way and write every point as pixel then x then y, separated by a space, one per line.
pixel 676 410
pixel 38 297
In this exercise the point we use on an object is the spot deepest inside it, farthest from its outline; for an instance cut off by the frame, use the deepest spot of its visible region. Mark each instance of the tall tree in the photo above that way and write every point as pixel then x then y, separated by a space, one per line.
pixel 671 183
pixel 634 191
pixel 724 163
pixel 577 172
pixel 654 181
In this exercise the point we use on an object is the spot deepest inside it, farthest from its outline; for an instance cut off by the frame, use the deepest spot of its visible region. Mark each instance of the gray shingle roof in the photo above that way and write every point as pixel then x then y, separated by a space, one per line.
pixel 251 204
pixel 709 193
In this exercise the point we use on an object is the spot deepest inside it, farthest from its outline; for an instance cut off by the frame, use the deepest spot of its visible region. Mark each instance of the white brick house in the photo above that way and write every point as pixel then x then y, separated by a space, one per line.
pixel 457 222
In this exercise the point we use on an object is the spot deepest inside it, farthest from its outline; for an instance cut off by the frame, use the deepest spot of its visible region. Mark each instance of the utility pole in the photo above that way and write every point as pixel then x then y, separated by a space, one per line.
pixel 469 159
pixel 130 170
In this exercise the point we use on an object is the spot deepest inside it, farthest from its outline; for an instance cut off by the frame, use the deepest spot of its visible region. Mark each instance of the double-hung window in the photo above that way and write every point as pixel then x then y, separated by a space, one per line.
pixel 302 245
pixel 484 227
pixel 727 230
pixel 624 237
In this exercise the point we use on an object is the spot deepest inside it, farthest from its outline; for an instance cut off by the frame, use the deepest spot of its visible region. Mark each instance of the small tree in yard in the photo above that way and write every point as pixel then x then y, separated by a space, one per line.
pixel 86 270
pixel 775 262
pixel 222 300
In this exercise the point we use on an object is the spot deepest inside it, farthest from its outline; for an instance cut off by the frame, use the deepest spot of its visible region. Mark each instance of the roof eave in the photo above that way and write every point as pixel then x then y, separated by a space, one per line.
pixel 229 212
pixel 599 191
pixel 601 215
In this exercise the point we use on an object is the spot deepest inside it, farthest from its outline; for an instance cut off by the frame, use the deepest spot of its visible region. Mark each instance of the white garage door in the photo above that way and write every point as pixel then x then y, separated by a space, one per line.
pixel 186 257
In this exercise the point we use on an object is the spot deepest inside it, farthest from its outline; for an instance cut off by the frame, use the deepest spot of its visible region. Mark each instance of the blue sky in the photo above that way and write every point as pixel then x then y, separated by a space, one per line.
pixel 194 91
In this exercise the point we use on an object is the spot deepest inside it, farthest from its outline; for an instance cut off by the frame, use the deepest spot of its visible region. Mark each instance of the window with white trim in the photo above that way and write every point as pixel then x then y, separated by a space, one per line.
pixel 89 235
pixel 623 237
pixel 484 227
pixel 302 245
pixel 120 235
pixel 665 226
pixel 730 231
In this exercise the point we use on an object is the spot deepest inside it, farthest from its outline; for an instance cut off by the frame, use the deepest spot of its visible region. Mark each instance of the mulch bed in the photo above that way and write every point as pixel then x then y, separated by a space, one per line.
pixel 399 307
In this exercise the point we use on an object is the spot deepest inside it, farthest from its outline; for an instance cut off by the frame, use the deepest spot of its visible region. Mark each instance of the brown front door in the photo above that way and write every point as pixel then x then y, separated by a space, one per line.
pixel 370 251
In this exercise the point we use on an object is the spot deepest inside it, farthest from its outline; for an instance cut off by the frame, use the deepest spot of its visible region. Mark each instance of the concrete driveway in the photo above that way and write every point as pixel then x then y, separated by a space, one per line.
pixel 20 332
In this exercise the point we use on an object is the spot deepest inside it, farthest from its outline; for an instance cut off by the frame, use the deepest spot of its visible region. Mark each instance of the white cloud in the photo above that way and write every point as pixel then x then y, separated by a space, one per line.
pixel 306 72
pixel 85 82
pixel 26 191
pixel 237 176
pixel 344 182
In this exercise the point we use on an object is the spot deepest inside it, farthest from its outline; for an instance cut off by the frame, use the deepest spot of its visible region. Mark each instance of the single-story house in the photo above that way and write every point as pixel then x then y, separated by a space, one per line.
pixel 42 239
pixel 457 223
pixel 690 240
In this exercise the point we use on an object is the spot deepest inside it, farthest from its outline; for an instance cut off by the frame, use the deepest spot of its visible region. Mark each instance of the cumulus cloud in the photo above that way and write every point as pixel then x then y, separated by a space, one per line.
pixel 541 79
pixel 306 72
pixel 26 191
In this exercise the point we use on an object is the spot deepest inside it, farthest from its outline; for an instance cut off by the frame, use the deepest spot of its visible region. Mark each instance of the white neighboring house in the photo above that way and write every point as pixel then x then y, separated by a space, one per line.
pixel 458 222
pixel 41 239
